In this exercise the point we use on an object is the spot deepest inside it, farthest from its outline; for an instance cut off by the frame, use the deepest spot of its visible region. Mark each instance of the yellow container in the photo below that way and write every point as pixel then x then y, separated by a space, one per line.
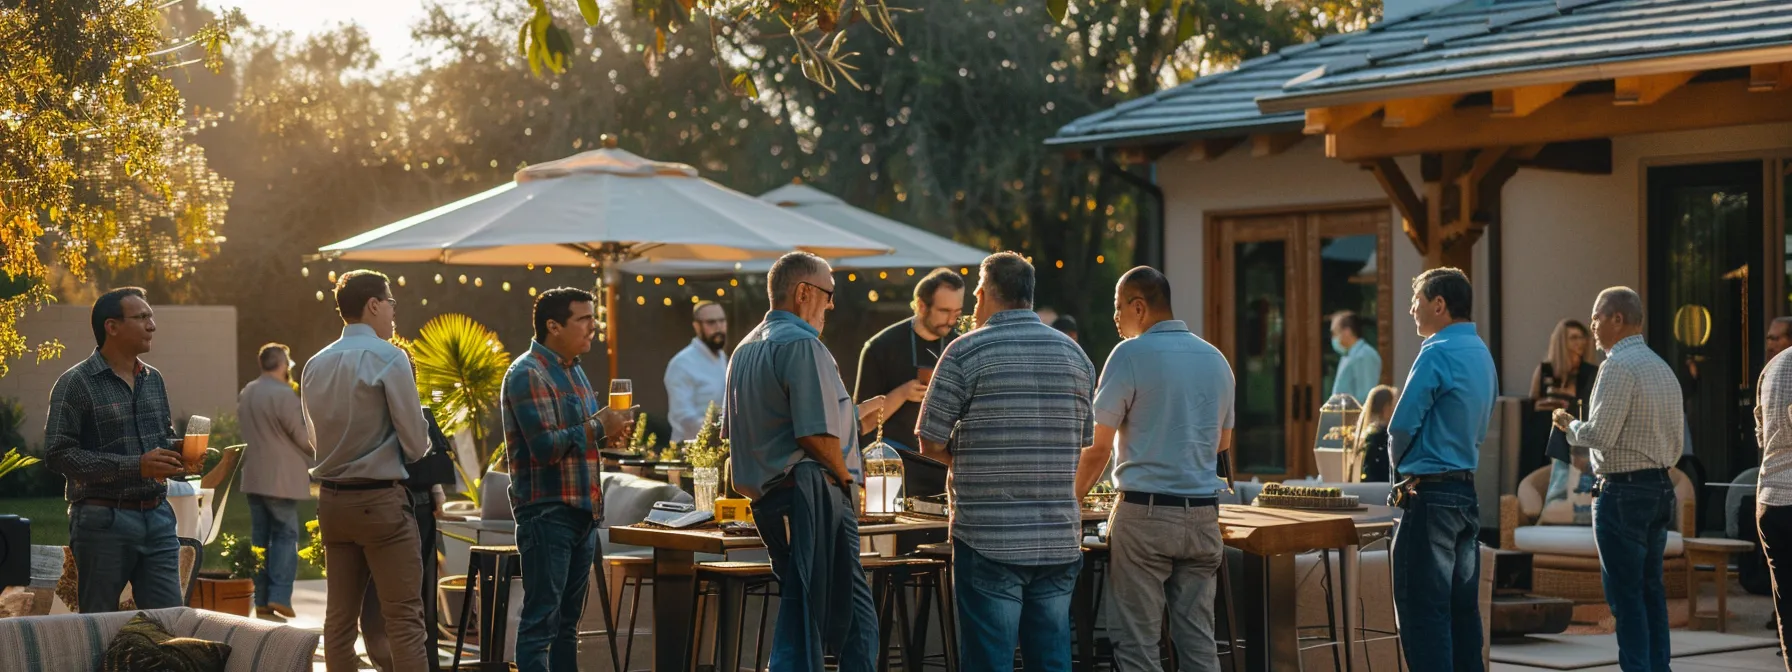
pixel 731 509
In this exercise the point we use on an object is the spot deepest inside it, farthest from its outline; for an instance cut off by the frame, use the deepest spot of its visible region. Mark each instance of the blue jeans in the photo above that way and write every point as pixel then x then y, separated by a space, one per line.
pixel 558 544
pixel 114 547
pixel 1437 574
pixel 1630 526
pixel 1000 604
pixel 811 531
pixel 274 525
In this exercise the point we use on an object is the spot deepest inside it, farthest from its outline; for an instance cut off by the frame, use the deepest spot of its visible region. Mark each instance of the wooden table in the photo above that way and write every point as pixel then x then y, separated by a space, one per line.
pixel 1270 538
pixel 1714 552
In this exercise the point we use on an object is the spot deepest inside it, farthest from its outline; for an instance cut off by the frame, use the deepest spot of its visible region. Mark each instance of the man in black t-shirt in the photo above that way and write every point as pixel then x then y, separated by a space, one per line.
pixel 895 361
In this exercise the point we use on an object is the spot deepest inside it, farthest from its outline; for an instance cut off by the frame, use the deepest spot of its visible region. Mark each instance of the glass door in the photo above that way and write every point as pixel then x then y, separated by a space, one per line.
pixel 1259 254
pixel 1706 279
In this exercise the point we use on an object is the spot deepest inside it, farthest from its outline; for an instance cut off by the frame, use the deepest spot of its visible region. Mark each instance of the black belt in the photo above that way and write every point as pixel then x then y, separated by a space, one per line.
pixel 126 504
pixel 1154 499
pixel 356 486
pixel 1638 476
pixel 1460 476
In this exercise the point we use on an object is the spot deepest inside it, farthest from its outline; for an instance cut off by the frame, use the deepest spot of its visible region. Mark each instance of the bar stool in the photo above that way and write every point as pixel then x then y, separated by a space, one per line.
pixel 626 571
pixel 891 581
pixel 731 582
pixel 1378 534
pixel 492 629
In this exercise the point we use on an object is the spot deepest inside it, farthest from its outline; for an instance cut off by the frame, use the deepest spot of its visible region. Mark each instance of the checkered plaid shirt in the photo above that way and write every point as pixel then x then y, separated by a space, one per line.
pixel 1773 429
pixel 99 428
pixel 1636 421
pixel 553 457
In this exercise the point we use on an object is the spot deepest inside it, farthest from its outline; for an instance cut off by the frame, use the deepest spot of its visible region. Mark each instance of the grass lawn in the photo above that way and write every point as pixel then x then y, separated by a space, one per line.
pixel 49 524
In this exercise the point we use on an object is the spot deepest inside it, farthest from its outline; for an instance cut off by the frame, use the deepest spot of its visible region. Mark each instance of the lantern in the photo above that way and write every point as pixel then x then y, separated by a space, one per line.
pixel 1335 447
pixel 883 476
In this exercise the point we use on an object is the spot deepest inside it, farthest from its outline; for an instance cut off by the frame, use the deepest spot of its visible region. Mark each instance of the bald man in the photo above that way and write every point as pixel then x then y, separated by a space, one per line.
pixel 1633 433
pixel 1779 335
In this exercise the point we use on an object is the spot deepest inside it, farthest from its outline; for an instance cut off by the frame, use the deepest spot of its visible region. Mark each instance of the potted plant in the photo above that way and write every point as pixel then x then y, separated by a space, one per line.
pixel 234 592
pixel 706 453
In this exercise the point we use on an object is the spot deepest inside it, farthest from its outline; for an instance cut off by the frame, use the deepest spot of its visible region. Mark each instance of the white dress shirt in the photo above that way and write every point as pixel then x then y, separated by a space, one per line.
pixel 1773 428
pixel 1636 421
pixel 361 409
pixel 694 378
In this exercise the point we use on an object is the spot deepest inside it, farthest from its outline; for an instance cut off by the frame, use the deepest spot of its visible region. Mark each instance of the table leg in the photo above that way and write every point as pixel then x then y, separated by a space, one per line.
pixel 1272 641
pixel 1722 583
pixel 730 615
pixel 1348 564
pixel 674 582
pixel 1082 609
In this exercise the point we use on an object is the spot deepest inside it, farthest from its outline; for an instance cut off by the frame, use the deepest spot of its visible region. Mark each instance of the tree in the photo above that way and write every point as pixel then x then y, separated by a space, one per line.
pixel 98 168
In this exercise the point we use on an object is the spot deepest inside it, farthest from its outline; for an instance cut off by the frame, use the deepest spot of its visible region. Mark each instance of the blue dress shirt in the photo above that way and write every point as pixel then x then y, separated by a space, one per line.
pixel 1442 416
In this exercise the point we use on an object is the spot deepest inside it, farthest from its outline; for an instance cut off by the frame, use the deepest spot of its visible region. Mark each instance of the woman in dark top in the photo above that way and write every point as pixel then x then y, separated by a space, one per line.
pixel 1565 379
pixel 1378 410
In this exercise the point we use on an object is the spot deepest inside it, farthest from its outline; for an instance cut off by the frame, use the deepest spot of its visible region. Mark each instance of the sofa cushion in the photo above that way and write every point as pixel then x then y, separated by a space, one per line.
pixel 143 644
pixel 78 641
pixel 1572 540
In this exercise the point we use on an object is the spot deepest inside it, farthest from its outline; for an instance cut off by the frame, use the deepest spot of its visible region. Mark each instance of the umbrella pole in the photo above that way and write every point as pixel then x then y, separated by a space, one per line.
pixel 610 329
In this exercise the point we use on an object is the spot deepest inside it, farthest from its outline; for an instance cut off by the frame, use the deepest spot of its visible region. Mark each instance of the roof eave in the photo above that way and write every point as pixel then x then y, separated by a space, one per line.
pixel 1500 79
pixel 1173 135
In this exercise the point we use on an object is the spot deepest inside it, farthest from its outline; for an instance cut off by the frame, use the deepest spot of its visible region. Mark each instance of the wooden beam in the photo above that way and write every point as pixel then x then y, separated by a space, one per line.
pixel 1321 121
pixel 1522 101
pixel 1701 105
pixel 1208 149
pixel 1411 112
pixel 1769 77
pixel 1647 89
pixel 1271 144
pixel 1399 190
pixel 1585 157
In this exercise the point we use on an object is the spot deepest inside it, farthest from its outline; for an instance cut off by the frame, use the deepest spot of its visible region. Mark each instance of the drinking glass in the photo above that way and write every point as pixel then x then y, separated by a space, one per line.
pixel 192 446
pixel 622 394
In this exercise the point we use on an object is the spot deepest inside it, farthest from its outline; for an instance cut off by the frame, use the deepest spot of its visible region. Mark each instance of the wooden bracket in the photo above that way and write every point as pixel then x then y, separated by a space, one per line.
pixel 1522 101
pixel 1766 77
pixel 1399 189
pixel 1271 144
pixel 1647 89
pixel 1208 149
pixel 1323 120
pixel 1412 112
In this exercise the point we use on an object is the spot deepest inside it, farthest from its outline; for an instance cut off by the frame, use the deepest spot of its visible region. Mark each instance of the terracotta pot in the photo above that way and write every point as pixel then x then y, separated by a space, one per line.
pixel 230 596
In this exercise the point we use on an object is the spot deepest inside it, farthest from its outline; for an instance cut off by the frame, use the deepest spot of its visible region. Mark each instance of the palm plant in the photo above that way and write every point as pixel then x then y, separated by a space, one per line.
pixel 12 417
pixel 460 372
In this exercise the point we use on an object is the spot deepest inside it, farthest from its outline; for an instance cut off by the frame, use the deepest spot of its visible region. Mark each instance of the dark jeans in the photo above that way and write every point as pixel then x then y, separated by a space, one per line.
pixel 1775 526
pixel 558 544
pixel 274 525
pixel 1630 527
pixel 811 531
pixel 114 547
pixel 1000 605
pixel 1437 574
pixel 373 625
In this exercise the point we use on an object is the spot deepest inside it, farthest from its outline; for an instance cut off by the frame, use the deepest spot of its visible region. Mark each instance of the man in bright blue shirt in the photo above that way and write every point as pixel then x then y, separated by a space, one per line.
pixel 1360 369
pixel 1434 442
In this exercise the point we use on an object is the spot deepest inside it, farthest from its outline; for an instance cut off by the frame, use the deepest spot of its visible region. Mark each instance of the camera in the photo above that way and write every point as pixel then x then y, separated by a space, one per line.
pixel 15 551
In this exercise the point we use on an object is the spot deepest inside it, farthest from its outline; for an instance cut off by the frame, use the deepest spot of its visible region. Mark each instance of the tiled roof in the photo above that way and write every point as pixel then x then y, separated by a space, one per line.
pixel 1463 40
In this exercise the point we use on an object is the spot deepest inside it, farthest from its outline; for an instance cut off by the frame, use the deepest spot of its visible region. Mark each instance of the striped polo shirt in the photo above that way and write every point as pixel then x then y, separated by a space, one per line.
pixel 1012 402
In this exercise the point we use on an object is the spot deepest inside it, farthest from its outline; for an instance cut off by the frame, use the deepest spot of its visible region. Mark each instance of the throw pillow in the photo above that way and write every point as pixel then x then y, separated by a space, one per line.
pixel 144 645
pixel 1569 500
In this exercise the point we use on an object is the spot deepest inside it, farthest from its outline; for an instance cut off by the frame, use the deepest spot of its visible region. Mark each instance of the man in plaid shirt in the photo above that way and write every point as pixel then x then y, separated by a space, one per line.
pixel 554 427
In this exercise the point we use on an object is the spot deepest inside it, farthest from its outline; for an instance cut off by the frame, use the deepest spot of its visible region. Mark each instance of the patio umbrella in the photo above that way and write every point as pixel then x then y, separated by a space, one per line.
pixel 602 208
pixel 911 247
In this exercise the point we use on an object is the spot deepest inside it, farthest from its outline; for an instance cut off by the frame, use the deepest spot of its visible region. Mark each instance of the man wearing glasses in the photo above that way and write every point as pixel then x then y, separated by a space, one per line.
pixel 795 438
pixel 110 433
pixel 694 376
pixel 363 415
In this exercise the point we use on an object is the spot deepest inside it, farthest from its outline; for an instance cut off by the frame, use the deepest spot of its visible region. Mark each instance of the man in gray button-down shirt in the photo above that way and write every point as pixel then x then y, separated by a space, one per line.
pixel 794 433
pixel 274 477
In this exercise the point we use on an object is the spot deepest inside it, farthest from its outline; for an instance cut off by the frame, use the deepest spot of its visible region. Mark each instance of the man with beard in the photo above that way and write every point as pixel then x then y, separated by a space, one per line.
pixel 898 362
pixel 695 375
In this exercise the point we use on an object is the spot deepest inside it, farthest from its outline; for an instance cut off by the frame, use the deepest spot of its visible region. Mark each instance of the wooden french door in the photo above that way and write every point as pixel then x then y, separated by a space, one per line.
pixel 1274 281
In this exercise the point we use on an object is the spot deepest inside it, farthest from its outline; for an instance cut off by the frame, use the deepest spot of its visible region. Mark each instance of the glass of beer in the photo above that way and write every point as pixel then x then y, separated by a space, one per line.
pixel 622 394
pixel 924 374
pixel 192 446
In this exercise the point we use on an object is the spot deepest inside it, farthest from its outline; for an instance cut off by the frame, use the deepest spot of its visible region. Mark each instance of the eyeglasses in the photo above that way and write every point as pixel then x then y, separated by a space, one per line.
pixel 819 288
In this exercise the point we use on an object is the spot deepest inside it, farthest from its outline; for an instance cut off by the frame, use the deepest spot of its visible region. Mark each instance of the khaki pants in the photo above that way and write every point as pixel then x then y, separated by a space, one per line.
pixel 1164 556
pixel 372 534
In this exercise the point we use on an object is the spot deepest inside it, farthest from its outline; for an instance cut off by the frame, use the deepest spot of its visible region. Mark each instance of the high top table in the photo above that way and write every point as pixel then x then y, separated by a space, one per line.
pixel 1269 538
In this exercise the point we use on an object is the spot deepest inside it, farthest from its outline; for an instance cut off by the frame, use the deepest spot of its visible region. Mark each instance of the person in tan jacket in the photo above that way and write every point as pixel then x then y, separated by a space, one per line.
pixel 275 466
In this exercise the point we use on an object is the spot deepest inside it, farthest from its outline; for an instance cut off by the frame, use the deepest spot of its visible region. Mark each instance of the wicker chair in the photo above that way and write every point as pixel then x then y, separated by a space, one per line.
pixel 1575 575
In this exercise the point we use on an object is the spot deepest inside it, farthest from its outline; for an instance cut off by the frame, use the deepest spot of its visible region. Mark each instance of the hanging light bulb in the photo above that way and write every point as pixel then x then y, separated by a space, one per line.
pixel 681 282
pixel 478 282
pixel 872 295
pixel 506 285
pixel 463 278
pixel 304 271
pixel 547 269
pixel 721 292
pixel 401 281
pixel 911 272
pixel 531 267
pixel 332 276
pixel 668 301
pixel 852 277
pixel 320 296
pixel 640 300
pixel 438 278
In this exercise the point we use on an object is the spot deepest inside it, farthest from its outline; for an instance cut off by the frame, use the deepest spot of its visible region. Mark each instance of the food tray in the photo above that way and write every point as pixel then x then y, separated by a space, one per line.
pixel 1342 502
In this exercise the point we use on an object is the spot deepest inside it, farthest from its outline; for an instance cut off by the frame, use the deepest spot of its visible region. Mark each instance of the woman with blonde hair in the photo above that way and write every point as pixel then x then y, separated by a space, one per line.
pixel 1565 379
pixel 1372 428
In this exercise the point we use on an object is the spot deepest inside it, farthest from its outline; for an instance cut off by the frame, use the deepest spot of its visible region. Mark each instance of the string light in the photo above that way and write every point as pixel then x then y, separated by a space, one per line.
pixel 1060 263
pixel 332 276
pixel 531 291
pixel 640 300
pixel 305 271
pixel 401 281
pixel 964 271
pixel 531 267
pixel 883 275
pixel 547 269
pixel 911 272
pixel 721 292
pixel 872 295
pixel 506 285
pixel 426 302
pixel 438 278
pixel 640 278
pixel 656 281
pixel 668 301
pixel 733 283
pixel 1101 259
pixel 320 296
pixel 478 282
pixel 463 279
pixel 852 277
pixel 681 282
pixel 694 300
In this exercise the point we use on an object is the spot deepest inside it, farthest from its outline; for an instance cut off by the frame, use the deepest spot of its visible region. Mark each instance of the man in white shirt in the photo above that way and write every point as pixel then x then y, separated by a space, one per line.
pixel 364 417
pixel 695 375
pixel 1773 506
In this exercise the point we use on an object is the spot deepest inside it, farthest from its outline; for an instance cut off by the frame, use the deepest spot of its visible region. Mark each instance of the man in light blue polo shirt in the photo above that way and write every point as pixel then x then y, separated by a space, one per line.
pixel 1434 445
pixel 1168 395
pixel 794 434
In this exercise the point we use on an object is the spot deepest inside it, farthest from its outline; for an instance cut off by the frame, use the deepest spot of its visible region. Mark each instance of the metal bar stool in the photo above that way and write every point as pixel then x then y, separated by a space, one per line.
pixel 935 586
pixel 495 582
pixel 1331 639
pixel 1378 534
pixel 626 571
pixel 731 582
pixel 891 581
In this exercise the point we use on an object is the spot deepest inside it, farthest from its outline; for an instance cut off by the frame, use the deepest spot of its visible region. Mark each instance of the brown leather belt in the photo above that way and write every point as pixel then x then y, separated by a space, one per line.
pixel 355 486
pixel 126 504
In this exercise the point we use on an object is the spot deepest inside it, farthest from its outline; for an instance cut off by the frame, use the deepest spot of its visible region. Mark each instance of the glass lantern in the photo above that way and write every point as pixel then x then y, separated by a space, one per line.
pixel 883 476
pixel 1335 443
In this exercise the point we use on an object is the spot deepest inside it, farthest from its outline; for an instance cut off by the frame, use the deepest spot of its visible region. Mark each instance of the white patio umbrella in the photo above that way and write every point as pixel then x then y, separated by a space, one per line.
pixel 602 208
pixel 911 247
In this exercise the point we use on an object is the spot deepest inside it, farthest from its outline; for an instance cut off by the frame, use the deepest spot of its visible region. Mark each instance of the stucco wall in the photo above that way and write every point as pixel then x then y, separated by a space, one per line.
pixel 194 348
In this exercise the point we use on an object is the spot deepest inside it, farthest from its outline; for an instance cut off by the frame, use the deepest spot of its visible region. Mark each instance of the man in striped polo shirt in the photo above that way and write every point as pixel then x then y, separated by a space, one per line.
pixel 1009 411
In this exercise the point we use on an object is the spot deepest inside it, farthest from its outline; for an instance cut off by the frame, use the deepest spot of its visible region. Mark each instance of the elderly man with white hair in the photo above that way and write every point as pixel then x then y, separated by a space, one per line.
pixel 1634 433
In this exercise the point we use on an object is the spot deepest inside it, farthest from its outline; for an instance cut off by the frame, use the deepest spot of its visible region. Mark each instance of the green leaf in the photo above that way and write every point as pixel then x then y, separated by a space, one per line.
pixel 1058 9
pixel 589 9
pixel 1154 6
pixel 522 38
pixel 743 85
pixel 1187 22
